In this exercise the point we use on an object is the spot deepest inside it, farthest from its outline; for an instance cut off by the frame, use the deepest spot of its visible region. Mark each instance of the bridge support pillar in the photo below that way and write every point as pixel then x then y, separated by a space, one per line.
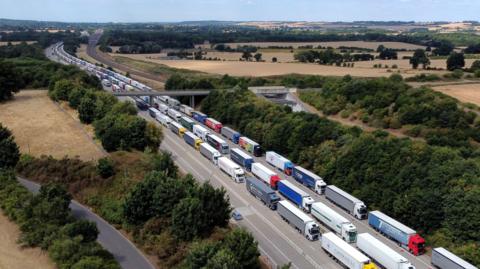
pixel 150 100
pixel 192 101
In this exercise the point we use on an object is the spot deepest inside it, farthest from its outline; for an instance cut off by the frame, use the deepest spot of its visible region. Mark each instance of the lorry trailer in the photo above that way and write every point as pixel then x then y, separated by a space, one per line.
pixel 231 134
pixel 280 162
pixel 262 192
pixel 242 158
pixel 335 222
pixel 210 153
pixel 309 179
pixel 187 123
pixel 218 143
pixel 265 174
pixel 213 124
pixel 299 220
pixel 175 115
pixel 381 253
pixel 192 140
pixel 232 169
pixel 162 107
pixel 153 112
pixel 346 201
pixel 295 195
pixel 250 146
pixel 346 255
pixel 186 110
pixel 177 129
pixel 163 119
pixel 444 259
pixel 405 236
pixel 140 104
pixel 199 116
pixel 201 131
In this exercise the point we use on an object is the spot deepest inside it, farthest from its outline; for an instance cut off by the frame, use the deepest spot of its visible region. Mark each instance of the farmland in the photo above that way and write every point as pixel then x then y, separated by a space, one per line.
pixel 41 127
pixel 467 93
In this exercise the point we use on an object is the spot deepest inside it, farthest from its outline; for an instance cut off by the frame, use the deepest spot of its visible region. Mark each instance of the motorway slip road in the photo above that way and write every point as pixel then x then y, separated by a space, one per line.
pixel 126 254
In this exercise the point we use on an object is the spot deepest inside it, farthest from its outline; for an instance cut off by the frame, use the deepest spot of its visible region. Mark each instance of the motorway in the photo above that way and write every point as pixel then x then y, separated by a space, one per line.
pixel 277 240
pixel 127 255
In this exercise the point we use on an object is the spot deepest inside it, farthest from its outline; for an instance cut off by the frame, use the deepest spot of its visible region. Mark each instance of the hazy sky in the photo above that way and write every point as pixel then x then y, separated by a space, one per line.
pixel 181 10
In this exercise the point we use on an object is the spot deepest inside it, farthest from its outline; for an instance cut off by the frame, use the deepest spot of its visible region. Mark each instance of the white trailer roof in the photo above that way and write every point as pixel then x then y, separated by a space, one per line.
pixel 214 121
pixel 345 194
pixel 319 206
pixel 305 171
pixel 454 258
pixel 402 227
pixel 386 251
pixel 278 156
pixel 296 211
pixel 241 153
pixel 294 188
pixel 357 255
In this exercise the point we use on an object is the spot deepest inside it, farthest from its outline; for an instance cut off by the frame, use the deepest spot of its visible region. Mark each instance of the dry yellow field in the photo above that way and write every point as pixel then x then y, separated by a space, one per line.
pixel 467 93
pixel 359 44
pixel 12 256
pixel 41 127
pixel 236 68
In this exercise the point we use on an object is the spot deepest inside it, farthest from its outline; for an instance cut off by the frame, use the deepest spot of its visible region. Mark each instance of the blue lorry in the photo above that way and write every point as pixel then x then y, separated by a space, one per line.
pixel 241 158
pixel 199 116
pixel 296 195
pixel 231 134
pixel 309 179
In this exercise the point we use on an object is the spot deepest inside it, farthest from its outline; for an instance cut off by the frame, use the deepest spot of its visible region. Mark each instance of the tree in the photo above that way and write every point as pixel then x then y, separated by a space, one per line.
pixel 10 80
pixel 86 110
pixel 62 89
pixel 257 56
pixel 215 205
pixel 75 96
pixel 380 48
pixel 187 219
pixel 475 66
pixel 388 54
pixel 87 229
pixel 274 59
pixel 105 167
pixel 124 108
pixel 419 57
pixel 244 247
pixel 9 152
pixel 200 254
pixel 444 49
pixel 223 259
pixel 247 55
pixel 163 162
pixel 153 136
pixel 104 103
pixel 455 61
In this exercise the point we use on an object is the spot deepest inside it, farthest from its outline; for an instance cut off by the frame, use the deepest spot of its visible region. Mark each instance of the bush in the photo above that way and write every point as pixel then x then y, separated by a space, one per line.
pixel 9 152
pixel 105 167
pixel 457 73
pixel 477 73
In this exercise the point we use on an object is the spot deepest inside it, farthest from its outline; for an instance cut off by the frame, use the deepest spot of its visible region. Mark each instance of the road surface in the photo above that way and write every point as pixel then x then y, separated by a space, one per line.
pixel 127 255
pixel 277 240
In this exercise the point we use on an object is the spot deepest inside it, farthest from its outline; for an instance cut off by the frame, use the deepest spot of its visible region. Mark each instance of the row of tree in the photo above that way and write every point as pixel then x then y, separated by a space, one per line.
pixel 45 220
pixel 401 177
pixel 329 56
pixel 391 103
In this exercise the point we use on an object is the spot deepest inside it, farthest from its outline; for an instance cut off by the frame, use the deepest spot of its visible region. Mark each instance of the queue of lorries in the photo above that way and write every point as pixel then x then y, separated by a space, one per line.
pixel 206 135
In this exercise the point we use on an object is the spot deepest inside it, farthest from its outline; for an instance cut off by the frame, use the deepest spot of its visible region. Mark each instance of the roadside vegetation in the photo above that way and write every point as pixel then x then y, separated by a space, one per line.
pixel 45 219
pixel 400 177
pixel 392 104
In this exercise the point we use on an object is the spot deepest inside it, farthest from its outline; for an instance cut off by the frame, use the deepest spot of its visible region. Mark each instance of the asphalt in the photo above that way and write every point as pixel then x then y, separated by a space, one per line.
pixel 127 255
pixel 277 240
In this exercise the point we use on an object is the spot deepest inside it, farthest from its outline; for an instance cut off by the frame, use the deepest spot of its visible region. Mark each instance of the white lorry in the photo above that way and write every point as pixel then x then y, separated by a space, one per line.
pixel 163 119
pixel 201 132
pixel 232 169
pixel 348 256
pixel 210 153
pixel 335 222
pixel 381 253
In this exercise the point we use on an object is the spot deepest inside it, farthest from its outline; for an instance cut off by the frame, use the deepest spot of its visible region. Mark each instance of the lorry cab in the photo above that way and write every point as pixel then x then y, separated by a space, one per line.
pixel 239 175
pixel 198 142
pixel 307 203
pixel 349 233
pixel 416 245
pixel 320 186
pixel 360 211
pixel 369 265
pixel 216 155
pixel 312 232
pixel 274 198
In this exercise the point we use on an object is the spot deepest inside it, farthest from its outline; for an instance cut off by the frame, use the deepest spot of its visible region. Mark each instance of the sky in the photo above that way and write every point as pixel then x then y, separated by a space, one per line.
pixel 239 10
